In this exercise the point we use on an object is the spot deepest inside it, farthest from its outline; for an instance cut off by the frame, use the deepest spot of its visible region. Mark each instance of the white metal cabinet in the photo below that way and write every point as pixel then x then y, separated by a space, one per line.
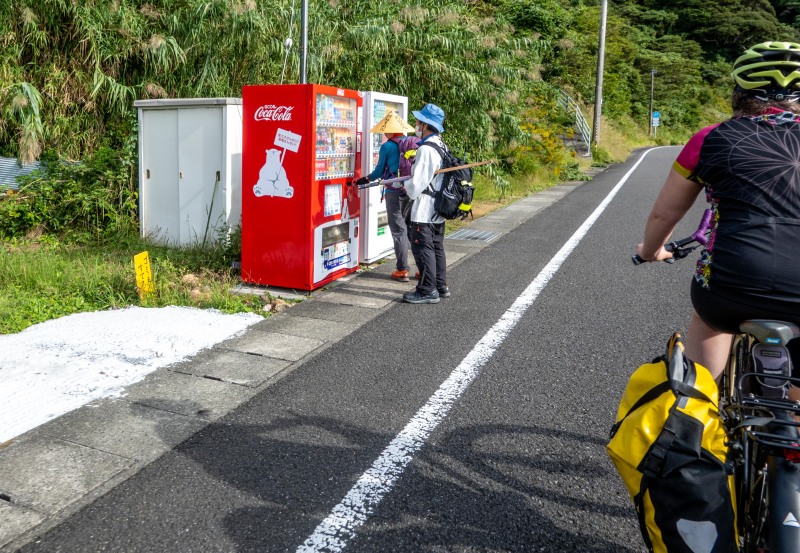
pixel 190 168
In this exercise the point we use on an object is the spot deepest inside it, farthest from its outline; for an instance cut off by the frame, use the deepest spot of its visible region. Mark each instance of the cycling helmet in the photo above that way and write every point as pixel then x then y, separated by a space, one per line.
pixel 769 71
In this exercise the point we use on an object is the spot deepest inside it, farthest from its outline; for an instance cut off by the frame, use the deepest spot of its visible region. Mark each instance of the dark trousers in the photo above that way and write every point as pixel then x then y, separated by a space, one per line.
pixel 427 245
pixel 397 208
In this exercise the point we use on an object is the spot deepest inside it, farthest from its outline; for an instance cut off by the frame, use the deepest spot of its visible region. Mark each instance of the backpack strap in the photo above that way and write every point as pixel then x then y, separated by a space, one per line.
pixel 430 191
pixel 647 397
pixel 387 173
pixel 638 504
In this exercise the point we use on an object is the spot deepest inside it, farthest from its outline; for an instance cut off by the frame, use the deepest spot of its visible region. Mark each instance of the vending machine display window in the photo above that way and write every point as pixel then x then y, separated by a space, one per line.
pixel 336 137
pixel 375 240
pixel 379 110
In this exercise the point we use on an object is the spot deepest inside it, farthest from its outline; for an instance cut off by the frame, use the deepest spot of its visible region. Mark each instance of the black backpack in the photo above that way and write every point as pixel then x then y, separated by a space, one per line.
pixel 454 199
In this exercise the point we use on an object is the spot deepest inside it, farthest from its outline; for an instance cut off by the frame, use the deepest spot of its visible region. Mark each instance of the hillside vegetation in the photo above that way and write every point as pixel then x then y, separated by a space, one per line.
pixel 70 71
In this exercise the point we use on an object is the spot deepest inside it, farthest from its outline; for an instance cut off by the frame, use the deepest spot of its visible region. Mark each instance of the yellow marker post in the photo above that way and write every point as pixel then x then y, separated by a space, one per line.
pixel 144 276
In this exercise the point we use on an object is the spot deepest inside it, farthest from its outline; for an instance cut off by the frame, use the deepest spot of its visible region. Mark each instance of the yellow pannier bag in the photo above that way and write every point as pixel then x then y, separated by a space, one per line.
pixel 669 446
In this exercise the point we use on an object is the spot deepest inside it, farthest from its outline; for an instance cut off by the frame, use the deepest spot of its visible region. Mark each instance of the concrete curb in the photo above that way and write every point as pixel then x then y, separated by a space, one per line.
pixel 54 470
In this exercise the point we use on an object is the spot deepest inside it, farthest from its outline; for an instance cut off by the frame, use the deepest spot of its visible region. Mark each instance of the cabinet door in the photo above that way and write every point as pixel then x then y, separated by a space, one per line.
pixel 200 153
pixel 160 216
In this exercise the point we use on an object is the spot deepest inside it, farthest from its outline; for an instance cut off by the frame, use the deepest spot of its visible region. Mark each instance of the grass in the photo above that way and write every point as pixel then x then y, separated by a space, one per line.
pixel 42 278
pixel 488 198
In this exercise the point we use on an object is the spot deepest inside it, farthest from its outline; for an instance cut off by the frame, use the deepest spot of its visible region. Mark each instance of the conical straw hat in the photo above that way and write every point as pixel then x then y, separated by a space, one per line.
pixel 392 123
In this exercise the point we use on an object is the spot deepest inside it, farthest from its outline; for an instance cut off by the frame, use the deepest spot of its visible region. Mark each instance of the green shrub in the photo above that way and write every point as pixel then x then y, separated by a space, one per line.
pixel 600 156
pixel 94 197
pixel 523 162
pixel 572 171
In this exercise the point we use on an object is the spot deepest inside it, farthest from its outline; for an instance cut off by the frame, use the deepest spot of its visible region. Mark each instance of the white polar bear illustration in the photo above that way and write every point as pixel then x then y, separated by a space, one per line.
pixel 272 179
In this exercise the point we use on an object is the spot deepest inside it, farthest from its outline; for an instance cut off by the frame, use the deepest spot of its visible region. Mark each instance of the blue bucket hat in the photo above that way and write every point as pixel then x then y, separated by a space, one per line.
pixel 432 115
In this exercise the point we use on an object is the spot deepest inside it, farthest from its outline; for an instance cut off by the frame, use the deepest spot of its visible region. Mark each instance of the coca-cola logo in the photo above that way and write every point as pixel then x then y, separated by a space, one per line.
pixel 274 113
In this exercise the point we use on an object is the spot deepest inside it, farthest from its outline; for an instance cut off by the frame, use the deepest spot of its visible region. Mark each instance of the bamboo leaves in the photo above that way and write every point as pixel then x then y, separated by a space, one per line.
pixel 106 56
pixel 21 104
pixel 446 54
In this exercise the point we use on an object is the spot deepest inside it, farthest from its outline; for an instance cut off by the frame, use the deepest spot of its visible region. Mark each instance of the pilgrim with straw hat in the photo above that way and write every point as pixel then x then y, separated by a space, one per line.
pixel 398 203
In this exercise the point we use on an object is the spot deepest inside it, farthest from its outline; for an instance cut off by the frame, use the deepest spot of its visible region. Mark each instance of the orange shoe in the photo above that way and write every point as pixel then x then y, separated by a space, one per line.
pixel 402 276
pixel 416 275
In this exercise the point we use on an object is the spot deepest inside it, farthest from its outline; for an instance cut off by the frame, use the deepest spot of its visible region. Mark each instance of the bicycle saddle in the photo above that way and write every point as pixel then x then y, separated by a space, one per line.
pixel 770 332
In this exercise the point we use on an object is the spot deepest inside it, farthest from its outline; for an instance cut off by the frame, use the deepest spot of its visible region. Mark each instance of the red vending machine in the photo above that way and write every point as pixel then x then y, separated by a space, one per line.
pixel 301 148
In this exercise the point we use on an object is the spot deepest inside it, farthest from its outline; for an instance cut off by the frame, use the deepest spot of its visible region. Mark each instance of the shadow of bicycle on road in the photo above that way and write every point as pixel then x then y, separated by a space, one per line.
pixel 477 488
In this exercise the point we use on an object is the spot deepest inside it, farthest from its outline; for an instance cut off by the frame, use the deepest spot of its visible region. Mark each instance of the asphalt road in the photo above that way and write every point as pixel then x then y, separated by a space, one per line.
pixel 518 463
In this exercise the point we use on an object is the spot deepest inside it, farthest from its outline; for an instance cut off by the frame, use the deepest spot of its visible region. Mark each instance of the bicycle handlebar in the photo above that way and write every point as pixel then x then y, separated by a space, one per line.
pixel 682 248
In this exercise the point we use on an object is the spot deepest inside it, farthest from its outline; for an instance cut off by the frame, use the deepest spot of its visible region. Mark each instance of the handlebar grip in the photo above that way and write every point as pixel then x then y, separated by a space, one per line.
pixel 638 260
pixel 700 234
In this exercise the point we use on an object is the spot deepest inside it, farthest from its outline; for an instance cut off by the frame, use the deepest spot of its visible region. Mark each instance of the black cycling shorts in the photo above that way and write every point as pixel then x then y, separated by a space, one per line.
pixel 723 309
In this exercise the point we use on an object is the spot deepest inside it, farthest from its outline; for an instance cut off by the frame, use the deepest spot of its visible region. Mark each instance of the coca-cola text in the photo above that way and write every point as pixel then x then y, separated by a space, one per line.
pixel 274 113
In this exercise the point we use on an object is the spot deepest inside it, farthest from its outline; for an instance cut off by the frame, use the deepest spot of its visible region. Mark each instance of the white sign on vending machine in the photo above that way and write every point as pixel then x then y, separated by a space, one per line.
pixel 288 140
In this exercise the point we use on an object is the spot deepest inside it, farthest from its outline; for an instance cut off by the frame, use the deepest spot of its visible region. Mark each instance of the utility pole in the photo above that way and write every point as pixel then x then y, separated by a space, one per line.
pixel 601 53
pixel 303 40
pixel 650 122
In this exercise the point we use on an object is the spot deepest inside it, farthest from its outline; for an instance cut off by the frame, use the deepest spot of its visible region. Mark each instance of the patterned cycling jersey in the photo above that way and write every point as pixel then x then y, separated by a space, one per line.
pixel 750 168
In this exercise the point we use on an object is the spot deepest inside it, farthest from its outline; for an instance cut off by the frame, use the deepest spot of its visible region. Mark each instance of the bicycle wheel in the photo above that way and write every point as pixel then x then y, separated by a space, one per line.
pixel 755 501
pixel 783 528
pixel 745 455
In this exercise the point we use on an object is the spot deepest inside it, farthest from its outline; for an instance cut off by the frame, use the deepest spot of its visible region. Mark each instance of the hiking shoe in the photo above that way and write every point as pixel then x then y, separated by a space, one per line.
pixel 416 297
pixel 402 276
pixel 444 292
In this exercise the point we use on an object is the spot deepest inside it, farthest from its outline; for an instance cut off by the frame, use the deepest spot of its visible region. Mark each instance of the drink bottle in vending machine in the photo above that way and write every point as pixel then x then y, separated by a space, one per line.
pixel 300 212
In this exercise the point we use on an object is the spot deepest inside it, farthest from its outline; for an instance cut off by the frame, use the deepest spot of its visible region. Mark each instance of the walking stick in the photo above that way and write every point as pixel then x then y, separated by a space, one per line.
pixel 399 179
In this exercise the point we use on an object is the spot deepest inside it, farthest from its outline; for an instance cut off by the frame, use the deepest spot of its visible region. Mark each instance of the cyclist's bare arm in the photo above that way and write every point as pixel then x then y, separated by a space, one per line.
pixel 675 198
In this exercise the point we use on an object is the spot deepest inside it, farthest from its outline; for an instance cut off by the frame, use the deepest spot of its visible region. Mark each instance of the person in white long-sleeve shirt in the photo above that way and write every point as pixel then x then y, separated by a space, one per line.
pixel 427 227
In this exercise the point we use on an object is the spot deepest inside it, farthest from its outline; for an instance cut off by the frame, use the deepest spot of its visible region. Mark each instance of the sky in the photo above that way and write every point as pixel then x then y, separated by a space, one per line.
pixel 54 367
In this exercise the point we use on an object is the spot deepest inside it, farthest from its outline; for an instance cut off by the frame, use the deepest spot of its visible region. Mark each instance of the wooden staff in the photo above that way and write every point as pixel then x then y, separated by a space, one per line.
pixel 399 179
pixel 476 164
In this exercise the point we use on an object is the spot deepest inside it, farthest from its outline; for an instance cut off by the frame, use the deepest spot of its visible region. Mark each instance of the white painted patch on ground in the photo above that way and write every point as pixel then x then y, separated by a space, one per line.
pixel 54 367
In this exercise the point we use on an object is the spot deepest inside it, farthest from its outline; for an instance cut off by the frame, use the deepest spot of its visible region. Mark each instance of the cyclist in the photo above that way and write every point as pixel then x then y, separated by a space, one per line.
pixel 749 167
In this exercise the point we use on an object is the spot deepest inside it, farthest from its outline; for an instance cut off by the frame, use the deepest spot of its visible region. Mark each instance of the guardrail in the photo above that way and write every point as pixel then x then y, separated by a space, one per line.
pixel 581 126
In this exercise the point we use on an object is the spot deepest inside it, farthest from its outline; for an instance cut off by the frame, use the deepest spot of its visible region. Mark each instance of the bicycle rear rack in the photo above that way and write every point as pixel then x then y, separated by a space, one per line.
pixel 767 421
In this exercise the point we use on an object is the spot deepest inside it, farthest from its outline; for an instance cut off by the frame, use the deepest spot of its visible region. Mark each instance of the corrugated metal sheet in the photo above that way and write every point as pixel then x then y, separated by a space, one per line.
pixel 10 170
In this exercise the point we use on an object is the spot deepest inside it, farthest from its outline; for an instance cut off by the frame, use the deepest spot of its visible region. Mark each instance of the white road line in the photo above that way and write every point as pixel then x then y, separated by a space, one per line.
pixel 333 533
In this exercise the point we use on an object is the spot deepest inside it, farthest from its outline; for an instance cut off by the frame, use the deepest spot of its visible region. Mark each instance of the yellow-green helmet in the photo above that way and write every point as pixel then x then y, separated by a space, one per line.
pixel 769 69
